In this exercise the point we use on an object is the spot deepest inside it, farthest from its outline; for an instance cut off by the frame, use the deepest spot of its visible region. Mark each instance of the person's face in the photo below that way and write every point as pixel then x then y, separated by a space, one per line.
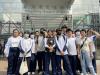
pixel 64 30
pixel 69 33
pixel 59 32
pixel 83 33
pixel 89 33
pixel 37 34
pixel 16 33
pixel 21 34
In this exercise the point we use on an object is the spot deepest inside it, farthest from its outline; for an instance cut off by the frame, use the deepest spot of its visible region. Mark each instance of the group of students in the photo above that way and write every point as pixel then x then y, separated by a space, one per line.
pixel 63 49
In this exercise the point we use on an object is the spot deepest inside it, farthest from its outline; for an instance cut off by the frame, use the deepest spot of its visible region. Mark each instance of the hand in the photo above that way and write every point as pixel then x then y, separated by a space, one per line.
pixel 25 53
pixel 51 49
pixel 79 56
pixel 91 56
pixel 62 53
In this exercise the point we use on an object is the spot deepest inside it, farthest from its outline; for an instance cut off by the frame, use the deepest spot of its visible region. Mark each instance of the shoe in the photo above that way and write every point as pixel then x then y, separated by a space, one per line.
pixel 81 74
pixel 33 73
pixel 29 73
pixel 40 73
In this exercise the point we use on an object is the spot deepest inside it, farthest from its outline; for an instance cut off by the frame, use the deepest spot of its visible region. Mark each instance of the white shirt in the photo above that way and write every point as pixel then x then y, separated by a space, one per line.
pixel 86 44
pixel 33 46
pixel 12 42
pixel 71 45
pixel 41 44
pixel 61 43
pixel 26 45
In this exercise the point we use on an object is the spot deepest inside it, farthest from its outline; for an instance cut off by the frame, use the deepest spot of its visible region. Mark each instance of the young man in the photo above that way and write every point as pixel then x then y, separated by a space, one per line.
pixel 61 54
pixel 39 42
pixel 78 39
pixel 85 54
pixel 71 45
pixel 12 52
pixel 50 54
pixel 64 29
pixel 93 35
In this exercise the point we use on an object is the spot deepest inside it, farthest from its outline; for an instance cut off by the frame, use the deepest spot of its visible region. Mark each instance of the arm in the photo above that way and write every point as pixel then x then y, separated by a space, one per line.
pixel 96 33
pixel 90 48
pixel 7 46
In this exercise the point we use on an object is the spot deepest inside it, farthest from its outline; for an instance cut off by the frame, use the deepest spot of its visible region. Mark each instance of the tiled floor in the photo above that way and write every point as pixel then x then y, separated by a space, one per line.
pixel 3 67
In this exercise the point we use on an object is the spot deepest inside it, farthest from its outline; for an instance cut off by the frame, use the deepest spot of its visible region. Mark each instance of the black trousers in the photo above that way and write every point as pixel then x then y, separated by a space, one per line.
pixel 33 63
pixel 72 59
pixel 12 60
pixel 28 59
pixel 40 60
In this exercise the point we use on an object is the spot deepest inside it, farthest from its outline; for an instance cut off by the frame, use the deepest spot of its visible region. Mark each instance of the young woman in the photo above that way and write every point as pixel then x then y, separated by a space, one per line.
pixel 12 52
pixel 50 54
pixel 26 46
pixel 33 56
pixel 86 54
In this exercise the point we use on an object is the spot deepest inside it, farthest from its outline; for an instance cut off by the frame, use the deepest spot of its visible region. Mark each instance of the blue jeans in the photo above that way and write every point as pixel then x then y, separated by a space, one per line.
pixel 50 56
pixel 86 61
pixel 66 65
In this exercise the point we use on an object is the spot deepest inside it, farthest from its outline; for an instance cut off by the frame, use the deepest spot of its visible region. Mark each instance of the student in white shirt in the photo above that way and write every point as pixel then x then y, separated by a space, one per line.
pixel 71 45
pixel 62 54
pixel 12 52
pixel 93 35
pixel 33 55
pixel 85 54
pixel 26 47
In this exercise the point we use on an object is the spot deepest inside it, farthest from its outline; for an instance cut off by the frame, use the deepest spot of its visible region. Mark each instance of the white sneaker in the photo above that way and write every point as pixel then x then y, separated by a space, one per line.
pixel 29 73
pixel 81 73
pixel 95 73
pixel 33 73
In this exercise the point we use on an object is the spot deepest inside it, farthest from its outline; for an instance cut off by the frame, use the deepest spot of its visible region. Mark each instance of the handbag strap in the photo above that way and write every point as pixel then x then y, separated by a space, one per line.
pixel 83 43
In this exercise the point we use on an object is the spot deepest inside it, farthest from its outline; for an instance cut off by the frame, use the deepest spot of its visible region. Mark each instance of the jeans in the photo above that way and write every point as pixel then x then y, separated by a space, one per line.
pixel 12 61
pixel 86 60
pixel 50 56
pixel 66 65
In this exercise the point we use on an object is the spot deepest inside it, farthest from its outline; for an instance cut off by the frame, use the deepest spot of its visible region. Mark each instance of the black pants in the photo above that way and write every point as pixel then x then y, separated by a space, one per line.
pixel 28 59
pixel 12 60
pixel 40 60
pixel 72 59
pixel 78 66
pixel 33 63
pixel 50 57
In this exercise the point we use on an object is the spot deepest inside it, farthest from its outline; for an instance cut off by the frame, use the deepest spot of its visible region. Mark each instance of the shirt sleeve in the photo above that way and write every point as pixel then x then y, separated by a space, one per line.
pixel 7 46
